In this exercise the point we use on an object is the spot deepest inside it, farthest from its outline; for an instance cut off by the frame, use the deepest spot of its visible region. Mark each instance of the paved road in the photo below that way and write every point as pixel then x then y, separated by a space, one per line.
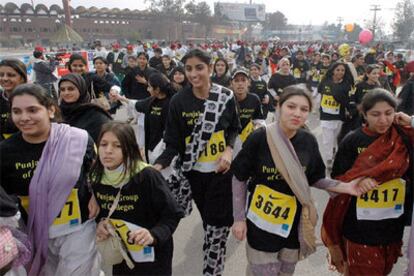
pixel 188 240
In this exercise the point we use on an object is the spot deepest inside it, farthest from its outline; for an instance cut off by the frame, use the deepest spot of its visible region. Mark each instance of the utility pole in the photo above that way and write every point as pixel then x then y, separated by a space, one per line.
pixel 374 8
pixel 340 19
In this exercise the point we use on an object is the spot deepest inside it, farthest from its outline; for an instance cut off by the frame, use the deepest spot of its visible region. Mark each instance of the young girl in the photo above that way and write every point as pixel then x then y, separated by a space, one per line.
pixel 280 220
pixel 202 126
pixel 155 109
pixel 146 215
pixel 335 90
pixel 178 79
pixel 46 166
pixel 370 81
pixel 281 79
pixel 220 73
pixel 364 233
pixel 77 109
pixel 258 86
pixel 12 73
pixel 94 83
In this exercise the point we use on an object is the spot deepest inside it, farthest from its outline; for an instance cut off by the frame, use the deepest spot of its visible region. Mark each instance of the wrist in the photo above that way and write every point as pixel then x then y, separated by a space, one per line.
pixel 412 121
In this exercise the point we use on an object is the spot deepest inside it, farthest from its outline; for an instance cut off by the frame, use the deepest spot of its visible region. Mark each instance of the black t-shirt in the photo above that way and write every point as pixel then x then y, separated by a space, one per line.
pixel 278 82
pixel 322 70
pixel 258 87
pixel 18 160
pixel 314 77
pixel 250 109
pixel 223 80
pixel 299 70
pixel 255 162
pixel 184 111
pixel 133 89
pixel 147 202
pixel 374 233
pixel 361 89
pixel 335 99
pixel 156 111
pixel 7 128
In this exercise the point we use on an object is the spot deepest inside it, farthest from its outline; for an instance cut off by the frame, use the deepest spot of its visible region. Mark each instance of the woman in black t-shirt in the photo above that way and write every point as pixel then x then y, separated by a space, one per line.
pixel 12 73
pixel 220 72
pixel 369 228
pixel 335 89
pixel 146 215
pixel 45 164
pixel 369 82
pixel 155 109
pixel 204 143
pixel 178 79
pixel 271 222
pixel 281 79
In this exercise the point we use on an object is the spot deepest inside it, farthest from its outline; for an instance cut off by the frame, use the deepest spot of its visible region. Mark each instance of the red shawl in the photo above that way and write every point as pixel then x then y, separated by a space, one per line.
pixel 396 79
pixel 385 159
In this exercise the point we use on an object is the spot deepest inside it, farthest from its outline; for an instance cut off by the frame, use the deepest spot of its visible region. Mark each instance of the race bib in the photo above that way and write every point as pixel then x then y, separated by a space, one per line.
pixel 384 202
pixel 70 215
pixel 272 211
pixel 139 253
pixel 329 105
pixel 297 73
pixel 248 129
pixel 207 162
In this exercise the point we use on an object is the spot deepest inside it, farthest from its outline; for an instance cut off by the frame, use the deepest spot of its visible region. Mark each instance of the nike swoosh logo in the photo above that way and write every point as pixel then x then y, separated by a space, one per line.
pixel 275 198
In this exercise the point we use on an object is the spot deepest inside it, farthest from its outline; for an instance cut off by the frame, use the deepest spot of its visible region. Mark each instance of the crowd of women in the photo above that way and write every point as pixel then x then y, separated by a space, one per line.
pixel 82 194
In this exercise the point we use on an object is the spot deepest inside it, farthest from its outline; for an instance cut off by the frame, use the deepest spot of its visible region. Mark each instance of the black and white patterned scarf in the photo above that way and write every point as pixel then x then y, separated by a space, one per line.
pixel 204 128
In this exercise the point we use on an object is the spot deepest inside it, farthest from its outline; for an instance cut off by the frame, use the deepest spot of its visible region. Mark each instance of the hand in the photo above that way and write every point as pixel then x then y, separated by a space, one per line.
pixel 115 96
pixel 158 167
pixel 93 207
pixel 140 79
pixel 101 232
pixel 239 230
pixel 367 184
pixel 224 162
pixel 141 237
pixel 265 99
pixel 402 119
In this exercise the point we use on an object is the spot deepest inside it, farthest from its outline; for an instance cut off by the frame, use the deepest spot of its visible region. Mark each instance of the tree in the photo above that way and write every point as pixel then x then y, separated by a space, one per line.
pixel 172 8
pixel 275 21
pixel 200 13
pixel 404 20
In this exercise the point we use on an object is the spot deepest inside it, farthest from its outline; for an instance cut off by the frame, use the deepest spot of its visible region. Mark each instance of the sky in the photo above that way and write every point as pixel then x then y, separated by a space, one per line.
pixel 314 12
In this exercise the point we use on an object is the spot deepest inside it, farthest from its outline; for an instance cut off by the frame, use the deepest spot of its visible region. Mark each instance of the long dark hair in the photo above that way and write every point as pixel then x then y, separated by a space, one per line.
pixel 75 57
pixel 197 53
pixel 17 66
pixel 130 150
pixel 348 78
pixel 375 96
pixel 369 69
pixel 225 63
pixel 158 80
pixel 41 96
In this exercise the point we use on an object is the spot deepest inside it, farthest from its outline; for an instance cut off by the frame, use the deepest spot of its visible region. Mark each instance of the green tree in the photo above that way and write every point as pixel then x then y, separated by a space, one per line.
pixel 172 8
pixel 200 13
pixel 275 21
pixel 404 19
